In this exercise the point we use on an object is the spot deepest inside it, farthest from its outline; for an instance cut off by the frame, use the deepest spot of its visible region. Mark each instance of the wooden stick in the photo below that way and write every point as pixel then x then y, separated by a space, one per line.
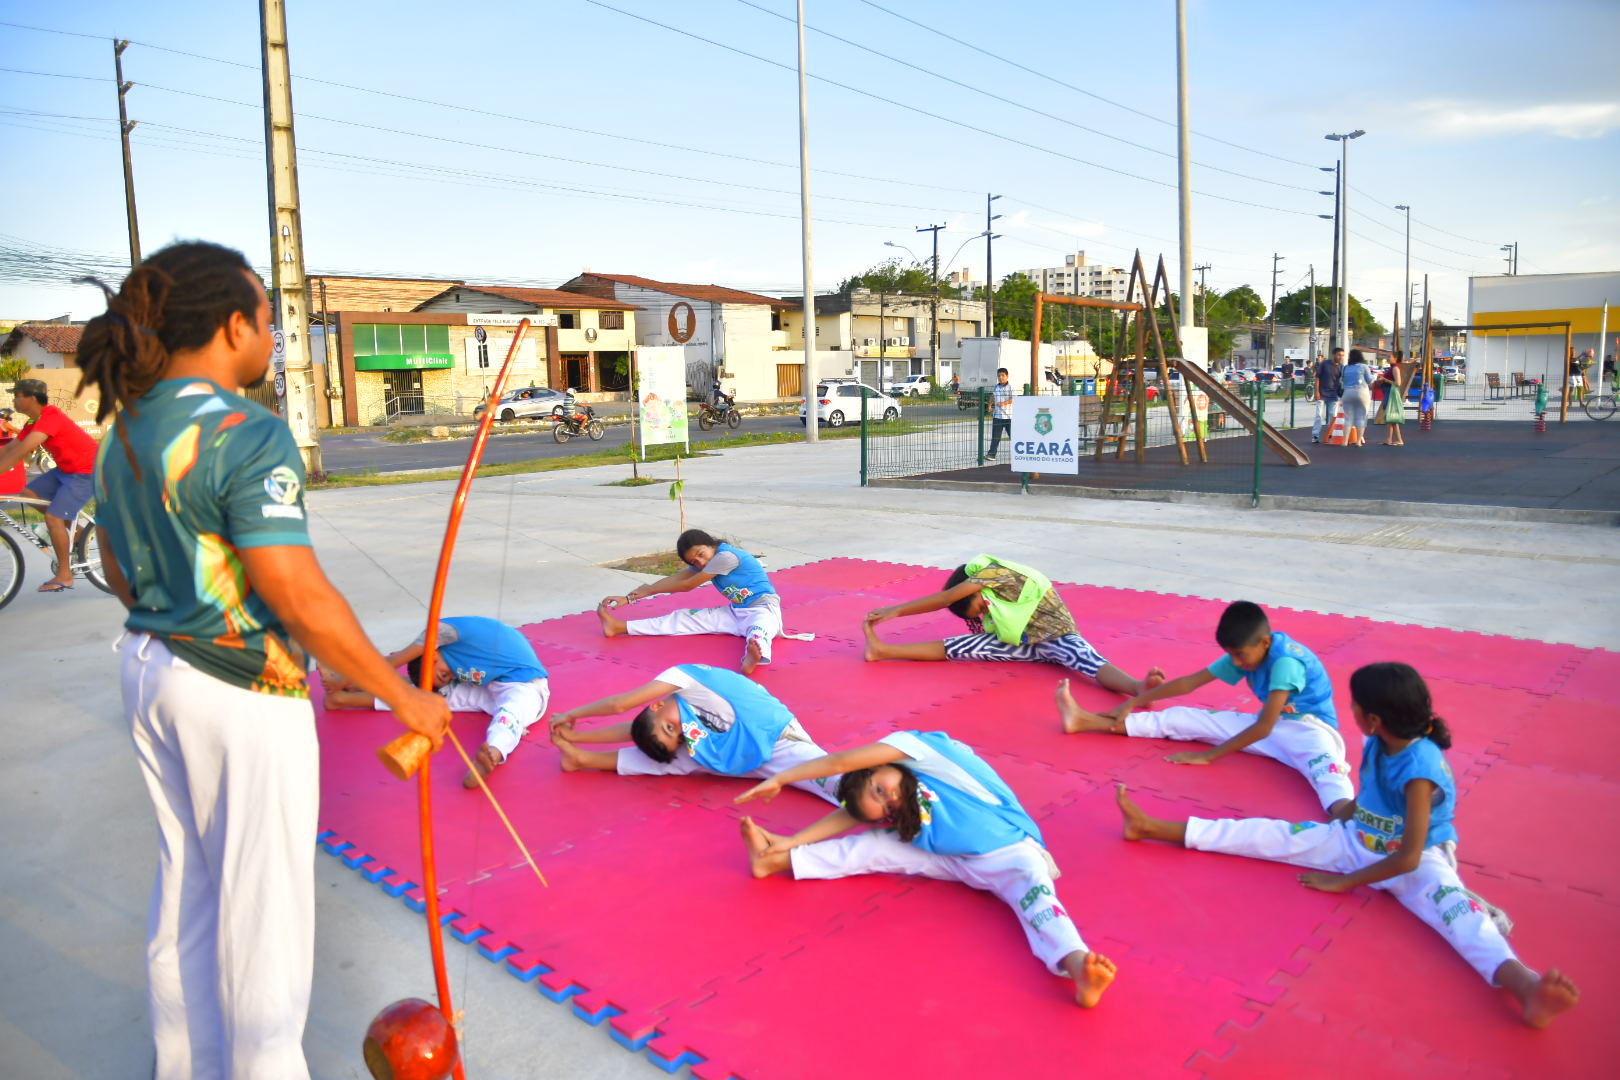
pixel 490 795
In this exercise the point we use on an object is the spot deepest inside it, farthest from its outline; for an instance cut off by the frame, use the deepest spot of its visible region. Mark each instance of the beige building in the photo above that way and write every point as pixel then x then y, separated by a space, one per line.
pixel 881 339
pixel 43 345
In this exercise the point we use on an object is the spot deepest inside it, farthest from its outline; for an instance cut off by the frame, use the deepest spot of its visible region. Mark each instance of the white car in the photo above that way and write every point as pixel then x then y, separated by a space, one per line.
pixel 911 386
pixel 838 404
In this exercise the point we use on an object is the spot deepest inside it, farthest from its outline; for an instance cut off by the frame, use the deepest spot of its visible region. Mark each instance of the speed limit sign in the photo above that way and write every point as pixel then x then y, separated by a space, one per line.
pixel 281 384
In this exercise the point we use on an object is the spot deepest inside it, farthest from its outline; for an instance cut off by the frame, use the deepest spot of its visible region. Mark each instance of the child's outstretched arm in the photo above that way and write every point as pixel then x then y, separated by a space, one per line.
pixel 612 733
pixel 680 581
pixel 612 705
pixel 1276 701
pixel 1415 833
pixel 924 604
pixel 1174 688
pixel 862 757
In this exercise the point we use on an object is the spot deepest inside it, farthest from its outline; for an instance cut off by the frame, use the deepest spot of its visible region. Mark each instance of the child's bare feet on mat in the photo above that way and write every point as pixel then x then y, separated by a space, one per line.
pixel 1138 826
pixel 874 647
pixel 1554 993
pixel 612 625
pixel 1153 678
pixel 1075 719
pixel 762 862
pixel 1092 973
pixel 752 656
pixel 569 756
pixel 483 764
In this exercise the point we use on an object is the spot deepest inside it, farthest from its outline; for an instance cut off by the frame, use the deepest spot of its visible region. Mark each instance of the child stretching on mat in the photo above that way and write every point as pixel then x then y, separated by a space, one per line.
pixel 943 813
pixel 754 611
pixel 697 719
pixel 480 665
pixel 1013 613
pixel 1296 724
pixel 1398 836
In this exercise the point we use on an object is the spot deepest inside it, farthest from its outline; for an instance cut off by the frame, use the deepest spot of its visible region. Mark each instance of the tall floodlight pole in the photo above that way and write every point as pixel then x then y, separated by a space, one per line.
pixel 1407 314
pixel 1333 324
pixel 811 432
pixel 295 371
pixel 1184 176
pixel 1311 359
pixel 1344 228
pixel 989 271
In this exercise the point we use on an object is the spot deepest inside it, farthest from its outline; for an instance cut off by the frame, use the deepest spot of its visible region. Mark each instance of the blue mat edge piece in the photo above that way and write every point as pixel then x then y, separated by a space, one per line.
pixel 606 1012
pixel 686 1057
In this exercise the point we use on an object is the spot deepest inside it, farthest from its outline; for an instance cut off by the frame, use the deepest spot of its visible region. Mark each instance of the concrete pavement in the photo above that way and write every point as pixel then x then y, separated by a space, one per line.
pixel 78 864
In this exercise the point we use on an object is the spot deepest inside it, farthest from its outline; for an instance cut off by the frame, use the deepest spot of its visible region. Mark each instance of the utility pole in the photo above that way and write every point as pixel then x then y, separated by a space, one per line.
pixel 1184 180
pixel 1333 328
pixel 1512 257
pixel 989 273
pixel 1344 228
pixel 883 362
pixel 1203 291
pixel 1407 314
pixel 933 320
pixel 289 304
pixel 1271 335
pixel 125 126
pixel 812 427
pixel 1311 358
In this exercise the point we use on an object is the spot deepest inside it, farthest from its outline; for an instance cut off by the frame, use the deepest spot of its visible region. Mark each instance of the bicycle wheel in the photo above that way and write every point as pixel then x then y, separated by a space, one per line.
pixel 1600 406
pixel 87 553
pixel 11 569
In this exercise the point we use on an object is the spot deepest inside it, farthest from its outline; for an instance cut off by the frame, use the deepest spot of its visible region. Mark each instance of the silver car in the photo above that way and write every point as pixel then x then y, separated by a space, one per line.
pixel 525 403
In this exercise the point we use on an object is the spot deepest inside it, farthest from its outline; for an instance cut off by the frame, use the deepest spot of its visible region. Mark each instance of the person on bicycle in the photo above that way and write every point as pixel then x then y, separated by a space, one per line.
pixel 69 485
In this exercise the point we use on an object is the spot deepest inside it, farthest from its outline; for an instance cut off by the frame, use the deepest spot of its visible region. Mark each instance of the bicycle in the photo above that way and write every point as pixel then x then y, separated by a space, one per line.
pixel 84 550
pixel 1598 405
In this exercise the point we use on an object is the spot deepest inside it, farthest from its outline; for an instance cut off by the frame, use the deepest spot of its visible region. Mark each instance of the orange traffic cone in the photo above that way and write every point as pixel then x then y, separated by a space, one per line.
pixel 1336 434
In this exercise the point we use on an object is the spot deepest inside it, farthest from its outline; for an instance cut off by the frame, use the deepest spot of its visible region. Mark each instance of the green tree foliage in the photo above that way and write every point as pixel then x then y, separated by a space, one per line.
pixel 1237 306
pixel 1295 310
pixel 893 277
pixel 13 368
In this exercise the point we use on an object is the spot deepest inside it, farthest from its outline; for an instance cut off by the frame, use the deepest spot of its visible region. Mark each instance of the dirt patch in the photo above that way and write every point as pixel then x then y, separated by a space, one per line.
pixel 659 563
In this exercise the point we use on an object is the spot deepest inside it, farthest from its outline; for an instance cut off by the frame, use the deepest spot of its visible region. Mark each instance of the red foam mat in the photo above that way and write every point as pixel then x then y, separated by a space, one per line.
pixel 1227 966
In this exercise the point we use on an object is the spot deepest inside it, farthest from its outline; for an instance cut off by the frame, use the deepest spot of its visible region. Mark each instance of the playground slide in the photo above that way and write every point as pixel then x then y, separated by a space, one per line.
pixel 1235 408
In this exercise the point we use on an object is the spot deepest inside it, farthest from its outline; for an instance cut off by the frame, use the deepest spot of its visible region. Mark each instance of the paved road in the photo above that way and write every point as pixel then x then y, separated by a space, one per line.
pixel 368 451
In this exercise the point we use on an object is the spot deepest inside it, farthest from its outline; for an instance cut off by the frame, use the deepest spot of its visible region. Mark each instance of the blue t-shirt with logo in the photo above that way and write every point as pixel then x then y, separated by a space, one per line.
pixel 1288 666
pixel 966 808
pixel 729 722
pixel 482 651
pixel 1380 817
pixel 747 583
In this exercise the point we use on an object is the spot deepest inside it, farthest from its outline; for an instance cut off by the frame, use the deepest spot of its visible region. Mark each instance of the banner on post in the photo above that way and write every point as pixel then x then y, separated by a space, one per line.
pixel 1046 434
pixel 661 396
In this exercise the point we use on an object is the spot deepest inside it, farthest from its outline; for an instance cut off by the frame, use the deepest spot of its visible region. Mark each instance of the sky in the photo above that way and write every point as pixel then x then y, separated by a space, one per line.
pixel 526 141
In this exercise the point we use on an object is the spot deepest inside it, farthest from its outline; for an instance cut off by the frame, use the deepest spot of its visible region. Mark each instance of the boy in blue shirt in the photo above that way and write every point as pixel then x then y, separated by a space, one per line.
pixel 481 665
pixel 693 718
pixel 1296 724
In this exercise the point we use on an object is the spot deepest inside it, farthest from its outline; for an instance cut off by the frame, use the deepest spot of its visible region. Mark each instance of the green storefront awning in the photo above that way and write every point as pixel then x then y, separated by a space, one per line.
pixel 405 362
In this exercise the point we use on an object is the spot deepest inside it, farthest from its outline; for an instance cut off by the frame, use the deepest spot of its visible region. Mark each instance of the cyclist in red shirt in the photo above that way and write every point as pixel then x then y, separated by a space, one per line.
pixel 68 486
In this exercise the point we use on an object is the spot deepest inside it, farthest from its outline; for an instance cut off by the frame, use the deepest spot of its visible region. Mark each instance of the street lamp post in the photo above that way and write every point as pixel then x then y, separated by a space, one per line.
pixel 989 272
pixel 1512 257
pixel 1407 313
pixel 1333 326
pixel 1344 227
pixel 916 261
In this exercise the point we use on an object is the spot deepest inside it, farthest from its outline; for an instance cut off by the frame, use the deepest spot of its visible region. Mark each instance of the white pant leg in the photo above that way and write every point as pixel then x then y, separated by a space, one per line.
pixel 1318 413
pixel 1020 874
pixel 1303 743
pixel 786 754
pixel 703 620
pixel 512 706
pixel 1434 893
pixel 761 623
pixel 1328 846
pixel 632 761
pixel 234 778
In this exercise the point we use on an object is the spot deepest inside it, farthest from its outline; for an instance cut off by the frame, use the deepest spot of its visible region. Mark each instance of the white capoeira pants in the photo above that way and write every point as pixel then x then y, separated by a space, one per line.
pixel 513 708
pixel 1021 874
pixel 1433 892
pixel 758 622
pixel 1309 746
pixel 1071 651
pixel 787 753
pixel 234 778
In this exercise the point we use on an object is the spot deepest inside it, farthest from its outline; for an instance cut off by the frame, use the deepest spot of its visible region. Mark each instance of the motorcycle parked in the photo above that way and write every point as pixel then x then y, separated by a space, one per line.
pixel 575 419
pixel 723 411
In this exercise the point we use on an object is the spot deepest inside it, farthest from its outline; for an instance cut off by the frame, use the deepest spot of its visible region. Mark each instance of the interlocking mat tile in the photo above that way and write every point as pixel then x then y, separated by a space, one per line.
pixel 654 929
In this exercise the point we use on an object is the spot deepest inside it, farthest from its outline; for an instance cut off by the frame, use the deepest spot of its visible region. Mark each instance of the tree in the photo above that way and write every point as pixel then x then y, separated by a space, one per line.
pixel 894 278
pixel 1239 305
pixel 1295 310
pixel 13 368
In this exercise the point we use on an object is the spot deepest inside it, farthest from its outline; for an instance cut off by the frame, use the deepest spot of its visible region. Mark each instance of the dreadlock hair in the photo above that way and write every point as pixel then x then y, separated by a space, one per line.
pixel 907 819
pixel 1396 694
pixel 175 300
pixel 959 608
pixel 641 733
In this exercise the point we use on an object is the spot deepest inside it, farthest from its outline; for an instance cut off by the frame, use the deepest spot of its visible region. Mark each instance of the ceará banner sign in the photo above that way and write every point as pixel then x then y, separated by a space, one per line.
pixel 1046 434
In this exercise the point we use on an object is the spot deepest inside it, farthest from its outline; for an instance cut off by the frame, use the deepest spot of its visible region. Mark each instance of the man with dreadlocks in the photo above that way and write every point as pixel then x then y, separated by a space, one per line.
pixel 693 718
pixel 199 500
pixel 941 812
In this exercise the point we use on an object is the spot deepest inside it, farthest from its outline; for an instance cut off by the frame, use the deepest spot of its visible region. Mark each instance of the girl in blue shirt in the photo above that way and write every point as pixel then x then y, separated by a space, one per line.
pixel 753 610
pixel 1396 836
pixel 941 812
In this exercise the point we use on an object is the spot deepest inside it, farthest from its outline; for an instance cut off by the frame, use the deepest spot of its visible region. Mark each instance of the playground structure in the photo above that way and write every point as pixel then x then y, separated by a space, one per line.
pixel 1123 418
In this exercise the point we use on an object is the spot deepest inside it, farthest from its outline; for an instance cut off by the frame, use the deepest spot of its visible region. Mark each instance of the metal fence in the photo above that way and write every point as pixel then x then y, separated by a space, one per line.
pixel 420 409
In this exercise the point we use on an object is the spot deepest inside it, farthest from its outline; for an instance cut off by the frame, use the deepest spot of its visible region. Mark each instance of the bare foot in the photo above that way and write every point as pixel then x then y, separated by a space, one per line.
pixel 751 658
pixel 1096 972
pixel 570 756
pixel 1075 719
pixel 1136 822
pixel 874 647
pixel 612 625
pixel 1555 993
pixel 486 761
pixel 1153 678
pixel 758 841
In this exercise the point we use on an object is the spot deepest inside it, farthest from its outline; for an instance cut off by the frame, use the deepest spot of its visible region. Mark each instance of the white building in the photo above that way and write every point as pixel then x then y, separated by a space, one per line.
pixel 1539 298
pixel 1077 277
pixel 44 345
pixel 883 338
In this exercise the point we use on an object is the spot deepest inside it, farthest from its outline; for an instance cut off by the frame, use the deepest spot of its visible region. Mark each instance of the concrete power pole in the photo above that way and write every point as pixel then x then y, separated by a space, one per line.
pixel 812 429
pixel 1184 184
pixel 289 297
pixel 933 320
pixel 125 126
